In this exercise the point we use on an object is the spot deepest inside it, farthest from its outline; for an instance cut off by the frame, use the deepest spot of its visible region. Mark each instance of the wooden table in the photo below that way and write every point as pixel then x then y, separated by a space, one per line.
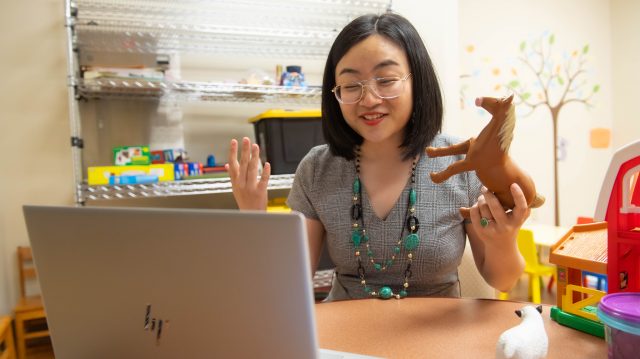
pixel 545 236
pixel 437 328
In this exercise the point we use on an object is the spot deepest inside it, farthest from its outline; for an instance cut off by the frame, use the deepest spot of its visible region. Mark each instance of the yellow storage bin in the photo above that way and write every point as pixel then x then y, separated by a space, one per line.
pixel 278 204
pixel 285 137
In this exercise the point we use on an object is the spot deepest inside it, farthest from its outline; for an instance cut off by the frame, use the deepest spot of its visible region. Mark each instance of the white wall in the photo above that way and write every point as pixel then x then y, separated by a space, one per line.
pixel 625 42
pixel 437 23
pixel 496 28
pixel 34 129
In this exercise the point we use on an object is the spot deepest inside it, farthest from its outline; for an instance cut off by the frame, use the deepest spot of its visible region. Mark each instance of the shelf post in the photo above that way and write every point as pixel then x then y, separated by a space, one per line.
pixel 74 115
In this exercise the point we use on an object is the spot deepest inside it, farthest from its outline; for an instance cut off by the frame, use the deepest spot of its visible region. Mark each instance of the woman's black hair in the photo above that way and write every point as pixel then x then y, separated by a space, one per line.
pixel 426 118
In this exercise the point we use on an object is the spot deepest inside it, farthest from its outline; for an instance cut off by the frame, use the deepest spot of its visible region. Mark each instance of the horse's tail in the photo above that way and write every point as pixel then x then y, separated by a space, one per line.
pixel 506 131
pixel 538 201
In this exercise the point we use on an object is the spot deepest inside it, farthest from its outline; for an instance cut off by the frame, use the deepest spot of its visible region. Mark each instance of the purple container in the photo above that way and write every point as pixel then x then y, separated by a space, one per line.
pixel 620 312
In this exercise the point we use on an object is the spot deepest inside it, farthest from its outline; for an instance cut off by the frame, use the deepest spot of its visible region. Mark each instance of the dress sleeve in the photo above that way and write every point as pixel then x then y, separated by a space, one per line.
pixel 302 191
pixel 473 190
pixel 473 187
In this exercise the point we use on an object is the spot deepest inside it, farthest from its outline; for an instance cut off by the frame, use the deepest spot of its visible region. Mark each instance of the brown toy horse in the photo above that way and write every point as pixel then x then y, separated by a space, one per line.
pixel 488 156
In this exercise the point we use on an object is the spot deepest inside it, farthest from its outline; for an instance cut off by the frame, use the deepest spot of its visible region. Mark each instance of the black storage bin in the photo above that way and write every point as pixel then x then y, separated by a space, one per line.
pixel 285 137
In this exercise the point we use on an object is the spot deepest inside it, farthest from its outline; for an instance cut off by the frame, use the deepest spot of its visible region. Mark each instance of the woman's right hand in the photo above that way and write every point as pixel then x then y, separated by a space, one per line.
pixel 249 191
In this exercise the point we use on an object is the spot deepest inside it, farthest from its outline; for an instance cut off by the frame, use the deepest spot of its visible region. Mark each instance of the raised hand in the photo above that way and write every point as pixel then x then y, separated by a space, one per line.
pixel 249 191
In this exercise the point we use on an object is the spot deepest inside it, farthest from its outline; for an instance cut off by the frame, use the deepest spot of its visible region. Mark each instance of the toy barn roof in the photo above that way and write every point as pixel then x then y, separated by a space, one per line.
pixel 584 247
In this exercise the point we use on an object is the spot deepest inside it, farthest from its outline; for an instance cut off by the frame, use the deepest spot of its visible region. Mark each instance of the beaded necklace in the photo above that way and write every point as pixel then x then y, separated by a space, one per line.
pixel 359 237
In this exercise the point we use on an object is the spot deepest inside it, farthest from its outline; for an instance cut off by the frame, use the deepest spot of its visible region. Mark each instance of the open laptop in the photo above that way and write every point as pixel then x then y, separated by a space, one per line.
pixel 175 283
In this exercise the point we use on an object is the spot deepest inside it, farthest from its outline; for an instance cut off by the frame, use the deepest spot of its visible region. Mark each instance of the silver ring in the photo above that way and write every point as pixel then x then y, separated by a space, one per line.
pixel 484 221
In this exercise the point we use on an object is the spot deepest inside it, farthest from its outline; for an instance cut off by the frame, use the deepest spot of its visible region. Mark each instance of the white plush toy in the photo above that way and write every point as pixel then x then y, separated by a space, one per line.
pixel 527 340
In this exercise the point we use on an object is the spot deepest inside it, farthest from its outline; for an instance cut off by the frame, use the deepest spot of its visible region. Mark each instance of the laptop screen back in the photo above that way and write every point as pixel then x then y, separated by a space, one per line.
pixel 173 283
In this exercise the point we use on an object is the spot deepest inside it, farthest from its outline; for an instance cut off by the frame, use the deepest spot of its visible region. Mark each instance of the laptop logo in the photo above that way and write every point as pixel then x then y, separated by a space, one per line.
pixel 154 324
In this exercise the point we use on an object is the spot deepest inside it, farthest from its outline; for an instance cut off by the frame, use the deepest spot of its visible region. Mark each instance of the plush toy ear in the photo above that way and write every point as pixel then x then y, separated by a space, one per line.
pixel 519 313
pixel 539 309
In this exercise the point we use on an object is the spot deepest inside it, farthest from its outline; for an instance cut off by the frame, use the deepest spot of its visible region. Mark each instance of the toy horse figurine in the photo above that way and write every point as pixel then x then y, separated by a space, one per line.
pixel 488 156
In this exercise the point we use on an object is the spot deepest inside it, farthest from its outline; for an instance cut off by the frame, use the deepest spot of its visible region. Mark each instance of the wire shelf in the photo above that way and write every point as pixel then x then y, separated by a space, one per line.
pixel 196 91
pixel 281 12
pixel 297 28
pixel 308 45
pixel 323 278
pixel 171 188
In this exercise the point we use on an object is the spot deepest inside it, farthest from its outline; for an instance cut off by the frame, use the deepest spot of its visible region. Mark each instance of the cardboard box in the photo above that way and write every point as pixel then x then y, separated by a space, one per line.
pixel 100 175
pixel 131 155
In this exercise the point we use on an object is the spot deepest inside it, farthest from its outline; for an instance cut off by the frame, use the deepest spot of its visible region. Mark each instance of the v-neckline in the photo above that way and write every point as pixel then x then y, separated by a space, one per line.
pixel 404 192
pixel 394 208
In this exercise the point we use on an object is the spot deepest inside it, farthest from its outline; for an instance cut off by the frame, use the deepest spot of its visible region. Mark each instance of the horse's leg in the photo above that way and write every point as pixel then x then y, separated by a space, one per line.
pixel 465 212
pixel 457 149
pixel 454 168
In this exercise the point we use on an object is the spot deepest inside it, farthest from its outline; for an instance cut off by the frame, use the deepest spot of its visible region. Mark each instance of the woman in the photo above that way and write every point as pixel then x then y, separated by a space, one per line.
pixel 390 231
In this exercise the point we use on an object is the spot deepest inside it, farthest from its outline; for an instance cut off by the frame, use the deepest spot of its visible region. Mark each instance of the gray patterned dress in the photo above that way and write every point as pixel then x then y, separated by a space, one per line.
pixel 322 190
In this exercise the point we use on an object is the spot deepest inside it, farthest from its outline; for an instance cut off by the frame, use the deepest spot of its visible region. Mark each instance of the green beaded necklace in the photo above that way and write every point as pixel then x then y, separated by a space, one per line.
pixel 359 237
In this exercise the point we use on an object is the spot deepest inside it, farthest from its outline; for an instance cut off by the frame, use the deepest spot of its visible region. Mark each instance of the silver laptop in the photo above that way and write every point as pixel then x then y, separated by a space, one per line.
pixel 174 283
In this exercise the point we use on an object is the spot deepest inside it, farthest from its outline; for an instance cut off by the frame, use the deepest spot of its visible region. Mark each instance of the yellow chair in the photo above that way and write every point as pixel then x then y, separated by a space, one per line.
pixel 7 349
pixel 533 267
pixel 31 320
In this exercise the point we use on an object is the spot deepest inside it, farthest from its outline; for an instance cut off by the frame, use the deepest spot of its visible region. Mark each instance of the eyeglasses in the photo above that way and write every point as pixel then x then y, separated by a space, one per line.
pixel 383 87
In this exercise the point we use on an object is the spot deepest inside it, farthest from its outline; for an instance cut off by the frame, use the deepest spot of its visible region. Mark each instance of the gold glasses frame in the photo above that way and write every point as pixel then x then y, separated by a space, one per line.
pixel 364 83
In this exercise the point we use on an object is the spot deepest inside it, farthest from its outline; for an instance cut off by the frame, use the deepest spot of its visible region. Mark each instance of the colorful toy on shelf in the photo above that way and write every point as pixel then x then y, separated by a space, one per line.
pixel 174 155
pixel 183 170
pixel 216 169
pixel 488 156
pixel 157 157
pixel 101 175
pixel 168 155
pixel 131 155
pixel 123 73
pixel 132 179
pixel 167 165
pixel 212 169
pixel 293 77
pixel 211 161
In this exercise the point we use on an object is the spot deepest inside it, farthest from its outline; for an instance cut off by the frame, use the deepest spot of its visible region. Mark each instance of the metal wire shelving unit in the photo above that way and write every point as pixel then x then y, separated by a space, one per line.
pixel 262 28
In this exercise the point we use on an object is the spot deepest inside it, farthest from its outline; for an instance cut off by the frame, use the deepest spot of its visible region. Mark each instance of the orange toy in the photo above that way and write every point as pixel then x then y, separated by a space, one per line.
pixel 488 156
pixel 583 249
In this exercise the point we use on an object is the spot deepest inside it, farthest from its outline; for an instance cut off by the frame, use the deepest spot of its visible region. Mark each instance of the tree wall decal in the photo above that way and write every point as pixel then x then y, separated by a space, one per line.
pixel 551 82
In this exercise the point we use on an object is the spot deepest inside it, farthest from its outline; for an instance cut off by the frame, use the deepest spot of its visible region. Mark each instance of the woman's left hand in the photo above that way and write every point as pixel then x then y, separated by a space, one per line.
pixel 490 221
